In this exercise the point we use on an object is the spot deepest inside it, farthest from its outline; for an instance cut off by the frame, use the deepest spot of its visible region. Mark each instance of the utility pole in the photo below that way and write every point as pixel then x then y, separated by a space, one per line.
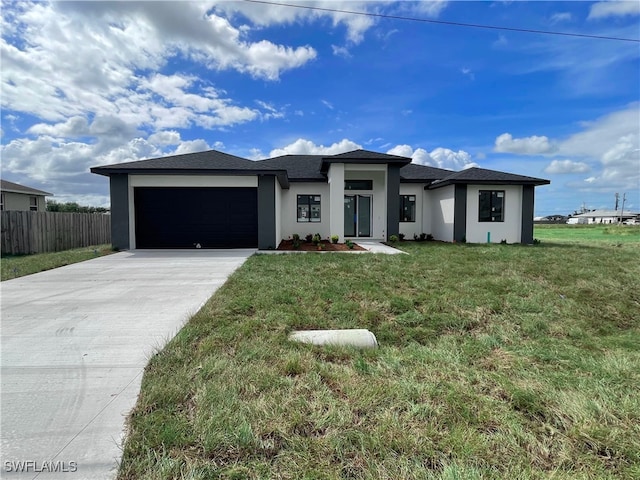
pixel 617 196
pixel 624 199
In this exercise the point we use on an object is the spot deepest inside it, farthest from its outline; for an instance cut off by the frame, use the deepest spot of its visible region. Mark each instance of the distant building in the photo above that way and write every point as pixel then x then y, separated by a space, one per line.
pixel 601 216
pixel 18 197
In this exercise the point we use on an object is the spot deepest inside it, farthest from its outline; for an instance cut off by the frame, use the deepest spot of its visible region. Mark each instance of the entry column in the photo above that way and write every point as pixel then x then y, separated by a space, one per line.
pixel 335 176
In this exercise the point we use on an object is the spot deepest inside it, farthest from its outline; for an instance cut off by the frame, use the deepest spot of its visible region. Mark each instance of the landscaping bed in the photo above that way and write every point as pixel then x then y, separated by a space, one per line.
pixel 312 247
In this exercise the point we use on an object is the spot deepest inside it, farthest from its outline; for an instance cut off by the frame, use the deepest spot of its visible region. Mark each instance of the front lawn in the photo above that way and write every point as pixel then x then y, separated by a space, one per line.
pixel 495 361
pixel 597 233
pixel 14 266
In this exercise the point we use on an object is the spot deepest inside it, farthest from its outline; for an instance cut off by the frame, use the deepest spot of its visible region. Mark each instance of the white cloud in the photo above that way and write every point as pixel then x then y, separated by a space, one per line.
pixel 566 166
pixel 439 157
pixel 611 144
pixel 165 137
pixel 191 146
pixel 267 15
pixel 73 58
pixel 468 73
pixel 617 8
pixel 327 104
pixel 561 17
pixel 63 165
pixel 534 145
pixel 307 147
pixel 341 51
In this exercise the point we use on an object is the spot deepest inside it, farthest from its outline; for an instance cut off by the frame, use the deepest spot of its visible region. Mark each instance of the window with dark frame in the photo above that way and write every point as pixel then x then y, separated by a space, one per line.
pixel 33 204
pixel 358 184
pixel 308 208
pixel 407 208
pixel 1 201
pixel 491 206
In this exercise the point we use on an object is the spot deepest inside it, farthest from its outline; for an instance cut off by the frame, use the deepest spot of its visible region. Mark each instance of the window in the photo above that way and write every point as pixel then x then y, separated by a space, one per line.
pixel 358 184
pixel 407 208
pixel 308 208
pixel 1 201
pixel 33 204
pixel 491 206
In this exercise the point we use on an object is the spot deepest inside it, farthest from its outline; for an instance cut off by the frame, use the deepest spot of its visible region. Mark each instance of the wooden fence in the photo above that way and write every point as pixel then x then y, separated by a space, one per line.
pixel 39 232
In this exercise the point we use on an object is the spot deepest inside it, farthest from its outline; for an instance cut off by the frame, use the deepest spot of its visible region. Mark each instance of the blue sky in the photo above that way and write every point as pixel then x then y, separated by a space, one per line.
pixel 93 83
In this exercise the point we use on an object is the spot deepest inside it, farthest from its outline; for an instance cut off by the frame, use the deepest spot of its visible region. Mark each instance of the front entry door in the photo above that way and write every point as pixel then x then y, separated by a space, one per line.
pixel 357 215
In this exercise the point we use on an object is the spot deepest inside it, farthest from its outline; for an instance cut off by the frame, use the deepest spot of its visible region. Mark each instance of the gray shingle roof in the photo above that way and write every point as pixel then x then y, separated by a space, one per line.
pixel 310 168
pixel 484 176
pixel 301 168
pixel 422 173
pixel 7 186
pixel 366 155
pixel 209 160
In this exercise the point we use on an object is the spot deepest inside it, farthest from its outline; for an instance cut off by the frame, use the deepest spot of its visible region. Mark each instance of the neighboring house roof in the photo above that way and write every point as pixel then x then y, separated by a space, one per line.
pixel 480 176
pixel 11 187
pixel 605 213
pixel 311 168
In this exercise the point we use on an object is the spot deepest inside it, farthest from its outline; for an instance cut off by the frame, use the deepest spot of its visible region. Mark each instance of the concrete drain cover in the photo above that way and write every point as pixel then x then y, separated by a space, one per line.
pixel 355 337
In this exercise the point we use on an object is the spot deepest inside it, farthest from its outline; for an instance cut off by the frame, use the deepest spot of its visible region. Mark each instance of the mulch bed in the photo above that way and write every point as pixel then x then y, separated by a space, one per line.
pixel 310 247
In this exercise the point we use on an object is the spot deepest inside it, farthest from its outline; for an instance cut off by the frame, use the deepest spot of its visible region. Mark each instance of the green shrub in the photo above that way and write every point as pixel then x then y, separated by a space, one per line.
pixel 393 238
pixel 334 238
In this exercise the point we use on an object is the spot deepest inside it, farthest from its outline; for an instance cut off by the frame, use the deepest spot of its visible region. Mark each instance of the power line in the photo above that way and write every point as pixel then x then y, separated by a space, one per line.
pixel 443 22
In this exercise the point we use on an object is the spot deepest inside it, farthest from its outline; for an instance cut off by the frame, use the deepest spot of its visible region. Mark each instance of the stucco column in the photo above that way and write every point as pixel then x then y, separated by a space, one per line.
pixel 393 200
pixel 460 213
pixel 267 212
pixel 526 228
pixel 119 191
pixel 335 176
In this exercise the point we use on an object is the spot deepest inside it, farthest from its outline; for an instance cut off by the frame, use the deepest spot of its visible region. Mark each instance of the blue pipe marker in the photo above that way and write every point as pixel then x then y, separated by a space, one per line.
pixel 488 237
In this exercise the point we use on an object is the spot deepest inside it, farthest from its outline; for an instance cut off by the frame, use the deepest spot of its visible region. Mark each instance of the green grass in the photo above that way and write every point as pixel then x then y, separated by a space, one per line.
pixel 588 233
pixel 495 361
pixel 14 266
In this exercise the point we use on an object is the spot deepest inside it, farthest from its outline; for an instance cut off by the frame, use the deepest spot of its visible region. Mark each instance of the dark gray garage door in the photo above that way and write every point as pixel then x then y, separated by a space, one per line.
pixel 180 217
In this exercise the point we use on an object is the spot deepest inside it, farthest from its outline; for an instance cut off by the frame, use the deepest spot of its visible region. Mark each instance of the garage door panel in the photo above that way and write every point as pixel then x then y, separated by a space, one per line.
pixel 182 217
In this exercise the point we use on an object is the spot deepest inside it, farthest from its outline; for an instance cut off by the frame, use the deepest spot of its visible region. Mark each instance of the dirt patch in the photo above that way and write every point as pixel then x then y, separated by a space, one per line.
pixel 310 247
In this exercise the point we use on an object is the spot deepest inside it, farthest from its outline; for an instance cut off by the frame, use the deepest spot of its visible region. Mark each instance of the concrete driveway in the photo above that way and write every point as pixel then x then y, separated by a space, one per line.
pixel 75 341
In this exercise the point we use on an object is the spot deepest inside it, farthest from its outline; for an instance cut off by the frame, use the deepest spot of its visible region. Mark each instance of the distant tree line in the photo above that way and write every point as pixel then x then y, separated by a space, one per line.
pixel 73 207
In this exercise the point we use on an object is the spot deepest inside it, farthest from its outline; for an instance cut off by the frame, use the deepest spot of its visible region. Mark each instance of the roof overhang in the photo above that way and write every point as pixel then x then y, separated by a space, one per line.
pixel 281 175
pixel 327 161
pixel 445 182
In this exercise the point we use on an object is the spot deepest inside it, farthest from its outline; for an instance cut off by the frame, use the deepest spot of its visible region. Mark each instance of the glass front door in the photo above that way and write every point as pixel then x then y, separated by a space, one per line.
pixel 357 215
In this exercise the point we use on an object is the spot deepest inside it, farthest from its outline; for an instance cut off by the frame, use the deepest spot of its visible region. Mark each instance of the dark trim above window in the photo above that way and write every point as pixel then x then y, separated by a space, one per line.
pixel 407 208
pixel 491 206
pixel 308 208
pixel 358 184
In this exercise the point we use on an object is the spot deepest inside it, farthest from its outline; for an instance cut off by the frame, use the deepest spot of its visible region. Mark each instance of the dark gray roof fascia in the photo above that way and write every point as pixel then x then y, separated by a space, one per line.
pixel 483 176
pixel 280 174
pixel 363 156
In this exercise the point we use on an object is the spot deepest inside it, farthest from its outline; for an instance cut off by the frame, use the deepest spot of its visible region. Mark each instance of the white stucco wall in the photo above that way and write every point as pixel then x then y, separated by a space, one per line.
pixel 409 229
pixel 180 181
pixel 192 181
pixel 510 229
pixel 289 214
pixel 442 210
